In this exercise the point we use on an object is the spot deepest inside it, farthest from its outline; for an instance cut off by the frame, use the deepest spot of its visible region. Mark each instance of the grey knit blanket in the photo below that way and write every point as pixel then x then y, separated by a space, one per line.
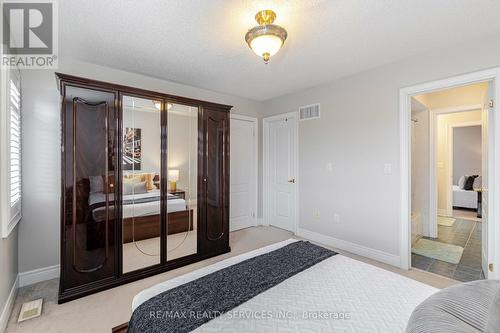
pixel 186 307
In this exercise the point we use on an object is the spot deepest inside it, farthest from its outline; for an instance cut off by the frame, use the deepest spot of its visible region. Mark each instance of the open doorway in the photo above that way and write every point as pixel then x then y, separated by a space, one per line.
pixel 449 162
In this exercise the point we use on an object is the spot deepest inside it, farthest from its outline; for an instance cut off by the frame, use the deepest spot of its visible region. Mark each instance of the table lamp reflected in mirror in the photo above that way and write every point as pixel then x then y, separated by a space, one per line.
pixel 173 177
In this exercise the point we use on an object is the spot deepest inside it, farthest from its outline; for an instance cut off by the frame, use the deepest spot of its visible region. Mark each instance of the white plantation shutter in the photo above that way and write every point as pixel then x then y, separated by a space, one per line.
pixel 10 150
pixel 15 141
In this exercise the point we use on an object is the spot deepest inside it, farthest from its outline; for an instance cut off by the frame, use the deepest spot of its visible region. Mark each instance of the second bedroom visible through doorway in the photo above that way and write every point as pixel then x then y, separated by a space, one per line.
pixel 448 168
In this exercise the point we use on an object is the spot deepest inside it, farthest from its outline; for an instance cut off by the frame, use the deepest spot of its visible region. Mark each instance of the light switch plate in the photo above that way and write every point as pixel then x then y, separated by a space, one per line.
pixel 387 169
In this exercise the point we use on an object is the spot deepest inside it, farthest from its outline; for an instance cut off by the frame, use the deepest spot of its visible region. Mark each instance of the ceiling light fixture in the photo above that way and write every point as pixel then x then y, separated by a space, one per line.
pixel 266 39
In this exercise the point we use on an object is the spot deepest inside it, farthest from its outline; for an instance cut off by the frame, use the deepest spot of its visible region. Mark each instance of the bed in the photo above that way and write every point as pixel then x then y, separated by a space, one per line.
pixel 335 293
pixel 141 214
pixel 464 198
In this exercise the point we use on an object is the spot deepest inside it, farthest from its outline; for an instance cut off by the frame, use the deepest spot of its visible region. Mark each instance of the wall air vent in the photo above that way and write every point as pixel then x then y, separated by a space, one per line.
pixel 30 310
pixel 309 112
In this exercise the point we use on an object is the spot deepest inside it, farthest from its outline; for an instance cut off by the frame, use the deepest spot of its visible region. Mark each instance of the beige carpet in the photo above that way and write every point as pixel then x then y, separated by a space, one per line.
pixel 102 311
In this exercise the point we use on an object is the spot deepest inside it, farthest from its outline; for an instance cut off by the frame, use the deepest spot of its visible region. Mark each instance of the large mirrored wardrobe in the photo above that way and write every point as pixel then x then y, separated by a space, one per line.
pixel 145 183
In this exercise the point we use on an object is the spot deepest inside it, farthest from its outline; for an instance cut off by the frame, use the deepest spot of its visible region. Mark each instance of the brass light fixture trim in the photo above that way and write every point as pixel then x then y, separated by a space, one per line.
pixel 266 16
pixel 269 34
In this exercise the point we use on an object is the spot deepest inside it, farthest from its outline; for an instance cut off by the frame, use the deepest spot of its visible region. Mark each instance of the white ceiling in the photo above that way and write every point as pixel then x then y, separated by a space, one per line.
pixel 201 42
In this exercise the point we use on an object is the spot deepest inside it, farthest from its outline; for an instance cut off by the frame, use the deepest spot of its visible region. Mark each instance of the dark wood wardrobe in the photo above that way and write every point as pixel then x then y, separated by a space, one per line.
pixel 145 183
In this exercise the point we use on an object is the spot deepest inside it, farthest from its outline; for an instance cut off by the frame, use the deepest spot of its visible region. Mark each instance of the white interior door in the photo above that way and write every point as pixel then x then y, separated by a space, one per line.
pixel 281 171
pixel 243 172
pixel 487 145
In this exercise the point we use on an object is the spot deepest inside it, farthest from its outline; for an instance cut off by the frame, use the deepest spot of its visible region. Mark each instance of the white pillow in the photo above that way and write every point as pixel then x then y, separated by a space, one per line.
pixel 134 188
pixel 96 184
pixel 461 182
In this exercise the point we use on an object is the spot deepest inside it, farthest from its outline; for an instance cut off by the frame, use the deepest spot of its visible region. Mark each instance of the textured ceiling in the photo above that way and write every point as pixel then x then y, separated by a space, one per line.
pixel 201 42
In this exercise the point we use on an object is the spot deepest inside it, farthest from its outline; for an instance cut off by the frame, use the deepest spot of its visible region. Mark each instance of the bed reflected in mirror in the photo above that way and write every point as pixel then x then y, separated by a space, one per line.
pixel 141 173
pixel 182 181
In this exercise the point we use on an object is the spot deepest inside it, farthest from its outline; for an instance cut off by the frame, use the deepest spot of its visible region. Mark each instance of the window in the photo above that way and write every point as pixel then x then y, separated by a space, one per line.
pixel 15 143
pixel 11 146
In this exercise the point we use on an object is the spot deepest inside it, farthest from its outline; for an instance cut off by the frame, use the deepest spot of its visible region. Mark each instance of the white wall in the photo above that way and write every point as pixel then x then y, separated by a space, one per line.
pixel 8 272
pixel 420 176
pixel 359 132
pixel 39 228
pixel 466 152
pixel 183 150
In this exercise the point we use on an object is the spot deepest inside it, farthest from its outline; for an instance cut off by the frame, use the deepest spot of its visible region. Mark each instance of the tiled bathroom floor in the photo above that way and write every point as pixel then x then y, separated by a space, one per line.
pixel 464 233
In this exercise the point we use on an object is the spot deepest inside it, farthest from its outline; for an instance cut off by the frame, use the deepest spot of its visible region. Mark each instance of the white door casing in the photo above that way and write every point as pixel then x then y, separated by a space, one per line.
pixel 487 143
pixel 243 172
pixel 433 164
pixel 405 94
pixel 281 171
pixel 450 165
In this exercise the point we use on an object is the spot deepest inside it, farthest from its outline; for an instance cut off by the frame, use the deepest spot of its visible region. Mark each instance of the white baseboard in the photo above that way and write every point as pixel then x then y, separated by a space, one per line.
pixel 9 304
pixel 361 250
pixel 38 275
pixel 260 221
pixel 264 221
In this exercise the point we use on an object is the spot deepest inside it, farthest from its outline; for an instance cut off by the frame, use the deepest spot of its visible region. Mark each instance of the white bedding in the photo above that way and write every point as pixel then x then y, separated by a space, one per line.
pixel 375 300
pixel 463 198
pixel 141 209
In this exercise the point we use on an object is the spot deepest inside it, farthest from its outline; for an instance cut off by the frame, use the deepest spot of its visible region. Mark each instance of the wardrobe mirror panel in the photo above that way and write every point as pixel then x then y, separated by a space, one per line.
pixel 141 177
pixel 182 152
pixel 89 167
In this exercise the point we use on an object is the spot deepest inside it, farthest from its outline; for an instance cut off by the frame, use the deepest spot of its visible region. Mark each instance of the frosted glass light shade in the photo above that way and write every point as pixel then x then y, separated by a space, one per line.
pixel 269 44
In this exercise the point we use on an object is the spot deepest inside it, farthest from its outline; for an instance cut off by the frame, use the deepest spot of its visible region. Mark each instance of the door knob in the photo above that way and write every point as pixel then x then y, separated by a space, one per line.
pixel 291 180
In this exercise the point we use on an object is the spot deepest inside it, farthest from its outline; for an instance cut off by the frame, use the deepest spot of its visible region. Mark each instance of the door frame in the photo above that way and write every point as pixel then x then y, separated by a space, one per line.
pixel 449 157
pixel 265 167
pixel 255 123
pixel 405 94
pixel 433 195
